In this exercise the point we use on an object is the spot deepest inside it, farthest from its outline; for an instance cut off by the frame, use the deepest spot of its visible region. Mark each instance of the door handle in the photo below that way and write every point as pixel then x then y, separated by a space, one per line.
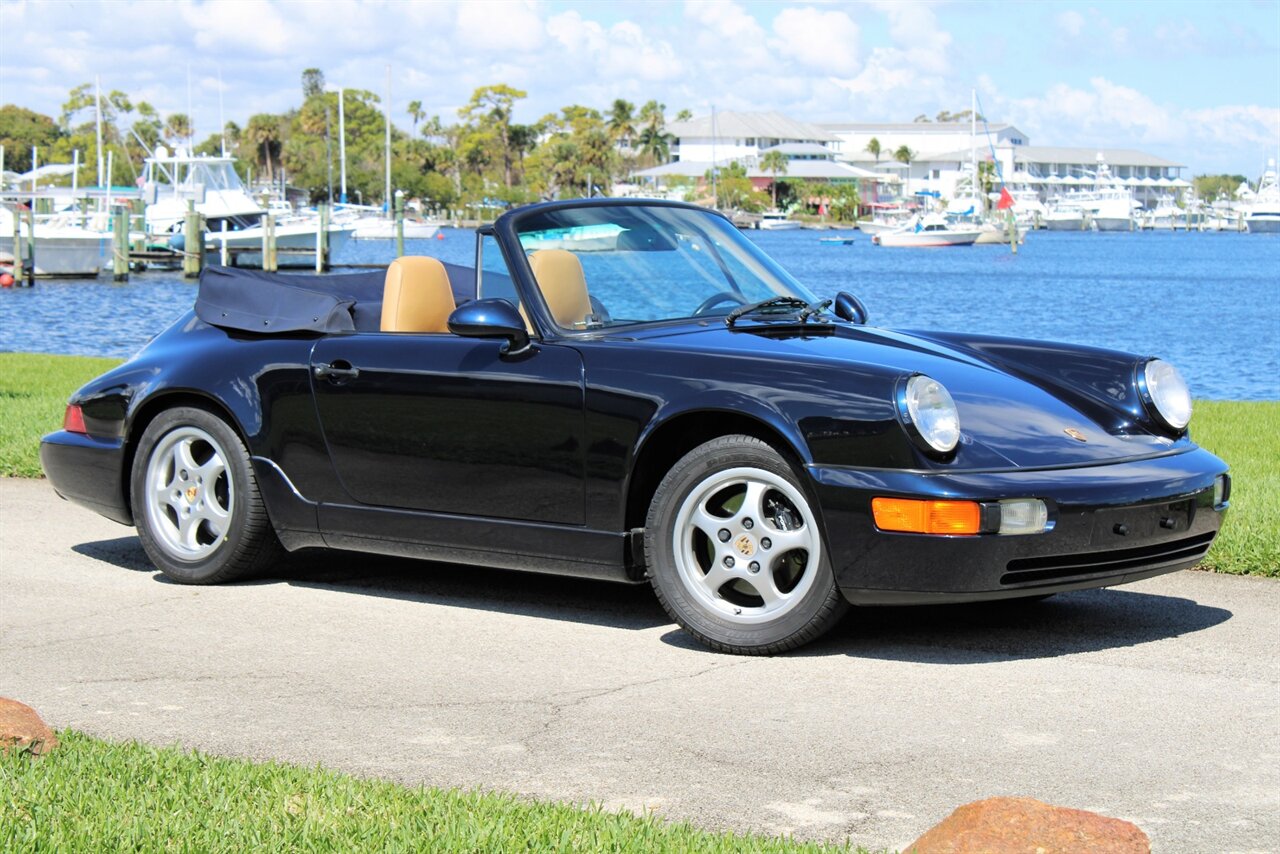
pixel 335 371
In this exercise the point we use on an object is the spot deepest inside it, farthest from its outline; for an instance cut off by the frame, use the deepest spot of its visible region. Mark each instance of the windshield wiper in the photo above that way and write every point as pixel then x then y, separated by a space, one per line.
pixel 751 308
pixel 813 308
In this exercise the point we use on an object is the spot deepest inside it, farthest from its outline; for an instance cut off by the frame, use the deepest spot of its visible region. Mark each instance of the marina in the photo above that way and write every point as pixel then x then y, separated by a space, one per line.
pixel 1197 294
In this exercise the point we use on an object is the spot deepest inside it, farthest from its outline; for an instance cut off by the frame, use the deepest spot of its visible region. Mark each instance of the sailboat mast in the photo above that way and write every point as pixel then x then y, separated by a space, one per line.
pixel 97 100
pixel 222 121
pixel 715 189
pixel 387 115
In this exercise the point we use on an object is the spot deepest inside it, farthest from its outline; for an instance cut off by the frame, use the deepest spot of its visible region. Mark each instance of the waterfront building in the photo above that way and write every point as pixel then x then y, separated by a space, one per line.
pixel 744 138
pixel 942 150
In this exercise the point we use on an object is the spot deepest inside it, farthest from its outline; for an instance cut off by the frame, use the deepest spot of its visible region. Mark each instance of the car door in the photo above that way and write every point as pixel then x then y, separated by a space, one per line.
pixel 435 422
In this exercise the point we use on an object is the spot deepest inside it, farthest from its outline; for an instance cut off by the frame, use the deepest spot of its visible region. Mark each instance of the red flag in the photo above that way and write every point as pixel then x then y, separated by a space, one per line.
pixel 1006 200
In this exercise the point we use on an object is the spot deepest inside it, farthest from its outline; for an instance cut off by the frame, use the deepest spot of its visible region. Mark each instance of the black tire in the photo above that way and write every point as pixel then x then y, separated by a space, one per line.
pixel 198 532
pixel 788 599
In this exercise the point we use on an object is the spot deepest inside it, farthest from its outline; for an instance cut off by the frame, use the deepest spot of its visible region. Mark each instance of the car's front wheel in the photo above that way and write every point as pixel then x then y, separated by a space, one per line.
pixel 735 552
pixel 196 502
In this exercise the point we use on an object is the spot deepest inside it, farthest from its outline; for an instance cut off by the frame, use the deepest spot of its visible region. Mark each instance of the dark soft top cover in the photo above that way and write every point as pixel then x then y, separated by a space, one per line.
pixel 254 301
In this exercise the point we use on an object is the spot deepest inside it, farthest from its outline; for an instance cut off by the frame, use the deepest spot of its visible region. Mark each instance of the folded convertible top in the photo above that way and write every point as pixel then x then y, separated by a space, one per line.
pixel 254 301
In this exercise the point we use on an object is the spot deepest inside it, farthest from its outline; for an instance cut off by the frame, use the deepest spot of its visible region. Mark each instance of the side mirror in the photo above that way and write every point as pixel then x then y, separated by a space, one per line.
pixel 491 318
pixel 850 308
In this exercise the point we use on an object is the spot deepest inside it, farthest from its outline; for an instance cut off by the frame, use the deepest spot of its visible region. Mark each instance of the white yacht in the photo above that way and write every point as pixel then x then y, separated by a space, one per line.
pixel 1166 215
pixel 62 248
pixel 171 180
pixel 928 231
pixel 776 220
pixel 1064 214
pixel 1263 216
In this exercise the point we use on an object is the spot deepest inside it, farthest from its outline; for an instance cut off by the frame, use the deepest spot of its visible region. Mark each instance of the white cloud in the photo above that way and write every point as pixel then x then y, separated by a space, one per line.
pixel 500 25
pixel 822 40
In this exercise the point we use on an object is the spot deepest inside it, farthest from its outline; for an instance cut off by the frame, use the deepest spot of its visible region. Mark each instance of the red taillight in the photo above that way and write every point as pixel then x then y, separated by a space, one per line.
pixel 73 421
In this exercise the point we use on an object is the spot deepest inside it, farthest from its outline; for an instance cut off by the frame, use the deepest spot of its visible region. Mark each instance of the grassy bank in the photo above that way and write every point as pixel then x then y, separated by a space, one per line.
pixel 33 394
pixel 1247 436
pixel 34 389
pixel 93 795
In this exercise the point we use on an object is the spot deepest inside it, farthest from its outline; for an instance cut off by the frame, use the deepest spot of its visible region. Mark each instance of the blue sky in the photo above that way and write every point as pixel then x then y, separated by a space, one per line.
pixel 1198 82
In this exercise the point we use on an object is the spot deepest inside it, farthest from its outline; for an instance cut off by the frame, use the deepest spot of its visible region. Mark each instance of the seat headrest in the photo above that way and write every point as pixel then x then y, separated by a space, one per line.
pixel 563 285
pixel 417 296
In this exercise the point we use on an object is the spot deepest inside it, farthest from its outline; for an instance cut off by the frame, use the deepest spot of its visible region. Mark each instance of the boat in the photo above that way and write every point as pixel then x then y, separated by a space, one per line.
pixel 776 220
pixel 62 249
pixel 1064 214
pixel 836 241
pixel 379 228
pixel 1263 216
pixel 232 218
pixel 927 231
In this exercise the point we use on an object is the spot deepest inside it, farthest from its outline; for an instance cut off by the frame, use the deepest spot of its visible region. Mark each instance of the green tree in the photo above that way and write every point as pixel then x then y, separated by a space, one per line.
pixel 683 116
pixel 622 121
pixel 653 114
pixel 263 134
pixel 312 83
pixel 416 114
pixel 903 154
pixel 20 129
pixel 775 163
pixel 655 144
pixel 873 148
pixel 177 127
pixel 491 106
pixel 1211 187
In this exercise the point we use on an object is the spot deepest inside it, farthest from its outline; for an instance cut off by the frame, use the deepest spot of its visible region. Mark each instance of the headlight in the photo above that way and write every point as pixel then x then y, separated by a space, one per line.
pixel 1166 393
pixel 929 414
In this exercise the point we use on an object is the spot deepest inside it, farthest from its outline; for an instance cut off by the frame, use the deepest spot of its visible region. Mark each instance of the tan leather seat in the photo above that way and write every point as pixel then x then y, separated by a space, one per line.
pixel 563 286
pixel 417 296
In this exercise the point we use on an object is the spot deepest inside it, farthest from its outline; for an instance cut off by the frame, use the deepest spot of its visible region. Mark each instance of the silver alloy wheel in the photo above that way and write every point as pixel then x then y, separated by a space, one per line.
pixel 746 545
pixel 189 494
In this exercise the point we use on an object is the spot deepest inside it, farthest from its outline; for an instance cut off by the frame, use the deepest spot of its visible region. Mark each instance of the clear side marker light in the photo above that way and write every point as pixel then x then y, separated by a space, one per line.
pixel 1023 516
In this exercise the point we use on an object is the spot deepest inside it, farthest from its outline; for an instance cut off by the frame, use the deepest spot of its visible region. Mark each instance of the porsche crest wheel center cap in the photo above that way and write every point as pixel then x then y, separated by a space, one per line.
pixel 191 494
pixel 745 545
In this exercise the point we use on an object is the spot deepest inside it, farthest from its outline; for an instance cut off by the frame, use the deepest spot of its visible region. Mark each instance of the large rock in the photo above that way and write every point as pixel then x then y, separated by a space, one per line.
pixel 20 726
pixel 1028 826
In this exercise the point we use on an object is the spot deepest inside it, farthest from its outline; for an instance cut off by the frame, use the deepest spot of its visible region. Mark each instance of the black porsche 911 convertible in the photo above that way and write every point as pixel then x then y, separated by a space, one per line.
pixel 632 390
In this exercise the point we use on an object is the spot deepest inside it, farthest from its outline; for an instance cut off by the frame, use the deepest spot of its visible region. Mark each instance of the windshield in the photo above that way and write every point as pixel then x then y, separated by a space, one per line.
pixel 626 264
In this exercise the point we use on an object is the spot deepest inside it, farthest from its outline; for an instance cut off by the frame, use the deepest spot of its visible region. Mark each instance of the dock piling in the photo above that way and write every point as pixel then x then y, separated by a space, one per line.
pixel 325 214
pixel 31 247
pixel 17 246
pixel 223 251
pixel 270 263
pixel 119 243
pixel 193 243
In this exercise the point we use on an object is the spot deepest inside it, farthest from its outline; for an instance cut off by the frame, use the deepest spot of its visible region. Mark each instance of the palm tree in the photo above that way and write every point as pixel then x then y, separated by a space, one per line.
pixel 177 127
pixel 622 121
pixel 683 116
pixel 873 148
pixel 652 114
pixel 655 144
pixel 416 113
pixel 263 132
pixel 775 163
pixel 905 155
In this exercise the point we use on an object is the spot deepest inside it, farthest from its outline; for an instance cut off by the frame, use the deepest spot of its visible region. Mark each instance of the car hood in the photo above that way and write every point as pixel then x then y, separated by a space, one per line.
pixel 1010 414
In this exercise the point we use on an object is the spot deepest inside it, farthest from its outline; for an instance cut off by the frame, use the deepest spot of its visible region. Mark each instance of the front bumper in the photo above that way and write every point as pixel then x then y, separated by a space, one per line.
pixel 1110 524
pixel 89 471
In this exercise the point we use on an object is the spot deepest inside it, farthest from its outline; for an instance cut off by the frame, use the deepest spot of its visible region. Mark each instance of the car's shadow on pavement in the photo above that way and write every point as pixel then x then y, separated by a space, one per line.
pixel 531 594
pixel 1066 624
pixel 1069 623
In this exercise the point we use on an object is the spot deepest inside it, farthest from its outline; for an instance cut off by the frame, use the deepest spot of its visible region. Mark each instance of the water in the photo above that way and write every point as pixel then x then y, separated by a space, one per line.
pixel 1209 303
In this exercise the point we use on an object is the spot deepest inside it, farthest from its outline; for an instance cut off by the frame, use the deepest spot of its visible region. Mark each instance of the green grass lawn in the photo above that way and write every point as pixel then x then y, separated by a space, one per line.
pixel 34 390
pixel 33 394
pixel 93 795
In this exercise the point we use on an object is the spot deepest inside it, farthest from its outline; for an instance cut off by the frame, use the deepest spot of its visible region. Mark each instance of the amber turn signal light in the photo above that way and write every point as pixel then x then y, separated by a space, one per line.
pixel 927 517
pixel 73 420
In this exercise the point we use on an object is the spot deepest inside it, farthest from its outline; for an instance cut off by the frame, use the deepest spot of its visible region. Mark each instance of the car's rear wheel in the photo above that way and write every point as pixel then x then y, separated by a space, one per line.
pixel 735 552
pixel 196 502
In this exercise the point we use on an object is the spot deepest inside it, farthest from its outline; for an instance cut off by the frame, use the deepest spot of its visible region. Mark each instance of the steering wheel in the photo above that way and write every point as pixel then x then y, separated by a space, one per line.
pixel 715 300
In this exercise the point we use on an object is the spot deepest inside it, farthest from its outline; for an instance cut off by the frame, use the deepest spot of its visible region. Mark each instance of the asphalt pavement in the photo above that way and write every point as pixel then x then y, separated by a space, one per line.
pixel 1158 702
